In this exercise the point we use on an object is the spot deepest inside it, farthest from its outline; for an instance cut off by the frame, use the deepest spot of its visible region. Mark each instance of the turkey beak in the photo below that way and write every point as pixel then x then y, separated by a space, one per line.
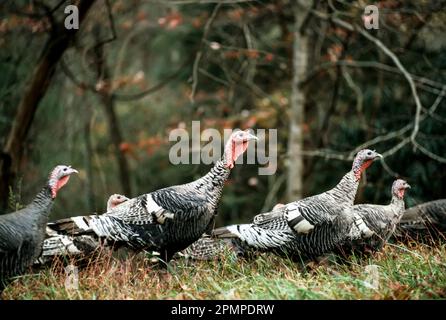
pixel 378 156
pixel 251 137
pixel 71 171
pixel 407 186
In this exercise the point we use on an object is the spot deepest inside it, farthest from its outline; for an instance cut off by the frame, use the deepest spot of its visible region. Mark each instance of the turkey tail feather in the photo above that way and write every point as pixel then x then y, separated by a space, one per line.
pixel 226 232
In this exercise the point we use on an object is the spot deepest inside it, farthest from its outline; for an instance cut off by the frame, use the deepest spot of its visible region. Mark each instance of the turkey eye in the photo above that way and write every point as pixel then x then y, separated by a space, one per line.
pixel 65 169
pixel 369 153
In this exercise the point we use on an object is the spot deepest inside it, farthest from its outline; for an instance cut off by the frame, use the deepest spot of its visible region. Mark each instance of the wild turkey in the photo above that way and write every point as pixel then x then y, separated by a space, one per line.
pixel 426 221
pixel 170 219
pixel 80 225
pixel 307 227
pixel 22 232
pixel 115 200
pixel 381 219
pixel 208 248
pixel 72 236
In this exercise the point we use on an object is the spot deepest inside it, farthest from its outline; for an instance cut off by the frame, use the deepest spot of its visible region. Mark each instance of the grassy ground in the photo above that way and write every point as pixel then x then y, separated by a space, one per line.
pixel 404 272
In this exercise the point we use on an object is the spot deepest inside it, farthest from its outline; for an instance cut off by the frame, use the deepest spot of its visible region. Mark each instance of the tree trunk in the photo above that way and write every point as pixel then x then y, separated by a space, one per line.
pixel 297 108
pixel 11 156
pixel 89 187
pixel 116 138
pixel 108 103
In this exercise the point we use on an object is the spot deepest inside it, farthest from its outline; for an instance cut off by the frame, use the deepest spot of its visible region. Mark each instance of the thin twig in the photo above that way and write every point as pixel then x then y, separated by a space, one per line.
pixel 211 76
pixel 400 132
pixel 406 74
pixel 158 86
pixel 429 153
pixel 367 64
pixel 66 70
pixel 388 169
pixel 124 97
pixel 112 26
pixel 207 27
pixel 272 193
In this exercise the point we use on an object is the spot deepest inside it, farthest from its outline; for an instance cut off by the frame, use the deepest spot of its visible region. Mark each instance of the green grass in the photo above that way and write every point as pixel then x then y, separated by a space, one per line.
pixel 405 272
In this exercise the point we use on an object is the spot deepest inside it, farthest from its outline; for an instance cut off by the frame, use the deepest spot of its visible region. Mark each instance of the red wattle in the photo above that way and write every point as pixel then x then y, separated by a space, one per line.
pixel 60 183
pixel 401 193
pixel 236 150
pixel 362 168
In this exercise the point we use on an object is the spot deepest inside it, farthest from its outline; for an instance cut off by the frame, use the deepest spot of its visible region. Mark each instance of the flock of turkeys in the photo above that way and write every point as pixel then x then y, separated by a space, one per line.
pixel 178 221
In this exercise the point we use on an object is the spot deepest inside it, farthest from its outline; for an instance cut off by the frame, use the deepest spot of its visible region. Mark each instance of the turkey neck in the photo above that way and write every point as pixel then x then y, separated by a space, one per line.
pixel 212 183
pixel 42 203
pixel 398 204
pixel 346 189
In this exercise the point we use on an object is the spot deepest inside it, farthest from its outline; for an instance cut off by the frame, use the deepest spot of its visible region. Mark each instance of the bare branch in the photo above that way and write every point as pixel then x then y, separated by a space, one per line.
pixel 211 76
pixel 396 148
pixel 400 132
pixel 327 154
pixel 269 199
pixel 429 153
pixel 368 64
pixel 388 169
pixel 389 53
pixel 382 138
pixel 112 26
pixel 158 86
pixel 66 70
pixel 207 27
pixel 406 74
pixel 124 97
pixel 359 95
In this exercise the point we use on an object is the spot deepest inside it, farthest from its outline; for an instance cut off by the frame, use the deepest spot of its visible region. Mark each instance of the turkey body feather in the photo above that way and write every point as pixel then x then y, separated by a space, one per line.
pixel 21 235
pixel 187 210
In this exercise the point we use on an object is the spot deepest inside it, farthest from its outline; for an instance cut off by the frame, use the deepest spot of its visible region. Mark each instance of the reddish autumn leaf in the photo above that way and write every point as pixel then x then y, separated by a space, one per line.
pixel 174 20
pixel 231 54
pixel 102 86
pixel 118 6
pixel 390 4
pixel 141 15
pixel 252 54
pixel 269 57
pixel 125 147
pixel 197 23
pixel 334 52
pixel 126 25
pixel 236 14
pixel 250 122
pixel 253 12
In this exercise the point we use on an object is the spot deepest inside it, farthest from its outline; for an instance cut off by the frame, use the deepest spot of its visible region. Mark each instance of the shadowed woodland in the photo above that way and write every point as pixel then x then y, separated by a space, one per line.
pixel 105 97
